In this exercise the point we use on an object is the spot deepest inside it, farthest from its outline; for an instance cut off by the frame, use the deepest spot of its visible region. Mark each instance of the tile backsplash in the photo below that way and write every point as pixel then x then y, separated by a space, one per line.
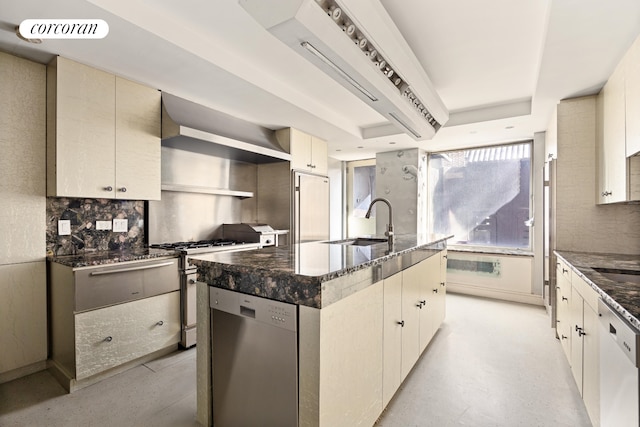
pixel 83 214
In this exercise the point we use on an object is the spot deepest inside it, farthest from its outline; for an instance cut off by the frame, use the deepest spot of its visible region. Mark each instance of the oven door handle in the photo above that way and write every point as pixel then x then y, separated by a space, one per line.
pixel 124 270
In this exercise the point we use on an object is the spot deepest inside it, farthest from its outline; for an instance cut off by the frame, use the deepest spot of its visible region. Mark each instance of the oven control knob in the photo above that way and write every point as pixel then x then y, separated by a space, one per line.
pixel 268 242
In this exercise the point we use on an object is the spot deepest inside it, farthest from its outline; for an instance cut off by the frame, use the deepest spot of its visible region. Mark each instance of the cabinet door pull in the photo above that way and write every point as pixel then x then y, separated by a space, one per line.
pixel 565 299
pixel 160 323
pixel 401 323
pixel 122 189
pixel 442 283
pixel 109 188
pixel 563 337
pixel 564 271
pixel 108 339
pixel 435 291
pixel 122 270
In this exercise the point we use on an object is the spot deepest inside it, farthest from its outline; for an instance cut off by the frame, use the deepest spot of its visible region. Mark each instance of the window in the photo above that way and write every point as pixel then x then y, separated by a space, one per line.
pixel 482 195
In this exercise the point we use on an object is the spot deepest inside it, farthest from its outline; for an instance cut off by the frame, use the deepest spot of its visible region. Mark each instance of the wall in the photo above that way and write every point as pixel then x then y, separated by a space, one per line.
pixel 191 216
pixel 509 280
pixel 581 224
pixel 23 327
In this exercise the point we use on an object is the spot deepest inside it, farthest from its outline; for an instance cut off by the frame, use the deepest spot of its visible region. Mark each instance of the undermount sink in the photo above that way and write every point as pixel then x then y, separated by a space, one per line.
pixel 618 275
pixel 360 241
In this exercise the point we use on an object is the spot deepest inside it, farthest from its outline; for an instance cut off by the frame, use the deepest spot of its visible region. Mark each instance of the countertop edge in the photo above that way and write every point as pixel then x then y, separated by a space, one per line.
pixel 610 301
pixel 307 290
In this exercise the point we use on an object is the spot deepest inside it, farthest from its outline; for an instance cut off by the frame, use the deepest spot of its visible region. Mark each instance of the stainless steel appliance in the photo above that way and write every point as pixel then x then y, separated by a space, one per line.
pixel 254 360
pixel 188 277
pixel 310 214
pixel 619 362
pixel 254 233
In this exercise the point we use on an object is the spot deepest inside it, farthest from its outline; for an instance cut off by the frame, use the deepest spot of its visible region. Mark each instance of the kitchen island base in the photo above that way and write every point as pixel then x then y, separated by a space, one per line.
pixel 351 350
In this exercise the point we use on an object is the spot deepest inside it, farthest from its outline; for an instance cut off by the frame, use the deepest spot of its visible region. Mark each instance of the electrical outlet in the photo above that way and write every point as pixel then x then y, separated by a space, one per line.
pixel 120 225
pixel 103 225
pixel 64 227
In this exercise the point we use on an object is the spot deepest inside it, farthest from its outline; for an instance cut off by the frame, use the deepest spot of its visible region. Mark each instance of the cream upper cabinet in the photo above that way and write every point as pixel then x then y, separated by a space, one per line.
pixel 612 171
pixel 308 153
pixel 137 141
pixel 103 137
pixel 632 99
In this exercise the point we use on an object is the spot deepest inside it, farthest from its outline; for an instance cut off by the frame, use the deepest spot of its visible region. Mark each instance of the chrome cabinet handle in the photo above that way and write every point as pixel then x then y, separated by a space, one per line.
pixel 109 188
pixel 606 193
pixel 160 323
pixel 108 339
pixel 122 189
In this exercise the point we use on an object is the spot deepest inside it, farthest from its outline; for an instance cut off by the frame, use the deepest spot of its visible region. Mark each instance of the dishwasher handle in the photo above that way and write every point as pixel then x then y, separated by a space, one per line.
pixel 124 270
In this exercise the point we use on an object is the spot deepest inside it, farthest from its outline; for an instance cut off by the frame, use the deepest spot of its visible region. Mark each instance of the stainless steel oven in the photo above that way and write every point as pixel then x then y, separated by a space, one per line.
pixel 188 277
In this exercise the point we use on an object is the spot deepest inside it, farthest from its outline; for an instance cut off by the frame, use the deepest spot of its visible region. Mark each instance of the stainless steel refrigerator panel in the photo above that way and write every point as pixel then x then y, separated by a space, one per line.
pixel 311 207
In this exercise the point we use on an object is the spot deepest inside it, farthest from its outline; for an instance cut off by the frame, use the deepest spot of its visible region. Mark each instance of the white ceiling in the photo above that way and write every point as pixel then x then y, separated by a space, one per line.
pixel 500 66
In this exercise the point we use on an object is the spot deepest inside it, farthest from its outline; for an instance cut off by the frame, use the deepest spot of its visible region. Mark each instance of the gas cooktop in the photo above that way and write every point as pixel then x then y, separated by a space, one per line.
pixel 202 246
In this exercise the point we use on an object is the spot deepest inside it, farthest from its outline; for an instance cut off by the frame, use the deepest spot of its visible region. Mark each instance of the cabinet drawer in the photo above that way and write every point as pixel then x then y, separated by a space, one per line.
pixel 111 336
pixel 114 284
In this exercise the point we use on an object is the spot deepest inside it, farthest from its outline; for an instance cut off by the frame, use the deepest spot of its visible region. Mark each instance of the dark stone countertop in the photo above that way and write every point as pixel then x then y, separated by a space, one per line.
pixel 624 297
pixel 314 274
pixel 88 259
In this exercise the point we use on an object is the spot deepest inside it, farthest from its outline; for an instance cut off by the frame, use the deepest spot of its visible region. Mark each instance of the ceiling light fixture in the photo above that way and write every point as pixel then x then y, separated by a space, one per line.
pixel 21 37
pixel 311 49
pixel 406 126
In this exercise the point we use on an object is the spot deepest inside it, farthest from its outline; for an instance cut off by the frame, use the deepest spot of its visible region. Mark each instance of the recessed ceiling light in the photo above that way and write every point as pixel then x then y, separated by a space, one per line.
pixel 338 149
pixel 509 127
pixel 392 142
pixel 360 146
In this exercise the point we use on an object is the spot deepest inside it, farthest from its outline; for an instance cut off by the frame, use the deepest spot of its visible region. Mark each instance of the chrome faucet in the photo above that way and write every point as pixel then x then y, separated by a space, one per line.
pixel 389 232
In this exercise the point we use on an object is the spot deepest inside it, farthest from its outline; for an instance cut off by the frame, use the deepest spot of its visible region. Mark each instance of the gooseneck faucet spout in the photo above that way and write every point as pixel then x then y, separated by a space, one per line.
pixel 389 232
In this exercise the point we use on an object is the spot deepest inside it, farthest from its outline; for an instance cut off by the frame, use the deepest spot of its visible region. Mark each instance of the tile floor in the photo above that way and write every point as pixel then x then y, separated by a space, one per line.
pixel 491 364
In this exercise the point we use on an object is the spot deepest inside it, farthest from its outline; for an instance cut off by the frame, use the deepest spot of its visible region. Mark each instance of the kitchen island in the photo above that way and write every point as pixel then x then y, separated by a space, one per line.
pixel 365 314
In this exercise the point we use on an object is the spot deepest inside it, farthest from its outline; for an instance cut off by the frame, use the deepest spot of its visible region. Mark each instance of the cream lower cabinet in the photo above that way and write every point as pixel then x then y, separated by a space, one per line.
pixel 111 336
pixel 563 307
pixel 23 319
pixel 578 330
pixel 103 134
pixel 414 307
pixel 585 345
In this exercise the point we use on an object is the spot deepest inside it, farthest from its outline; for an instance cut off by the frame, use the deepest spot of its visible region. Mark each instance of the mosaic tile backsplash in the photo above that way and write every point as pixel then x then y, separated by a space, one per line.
pixel 83 214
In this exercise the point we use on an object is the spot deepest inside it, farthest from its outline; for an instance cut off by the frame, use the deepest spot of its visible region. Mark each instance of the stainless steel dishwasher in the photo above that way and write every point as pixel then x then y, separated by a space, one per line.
pixel 619 345
pixel 254 360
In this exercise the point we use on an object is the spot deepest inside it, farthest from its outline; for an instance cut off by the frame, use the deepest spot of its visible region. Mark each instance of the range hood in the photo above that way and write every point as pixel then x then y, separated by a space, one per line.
pixel 193 127
pixel 361 48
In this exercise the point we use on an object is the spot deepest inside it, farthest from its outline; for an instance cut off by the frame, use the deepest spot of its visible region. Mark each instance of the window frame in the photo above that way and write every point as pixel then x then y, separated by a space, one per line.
pixel 470 247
